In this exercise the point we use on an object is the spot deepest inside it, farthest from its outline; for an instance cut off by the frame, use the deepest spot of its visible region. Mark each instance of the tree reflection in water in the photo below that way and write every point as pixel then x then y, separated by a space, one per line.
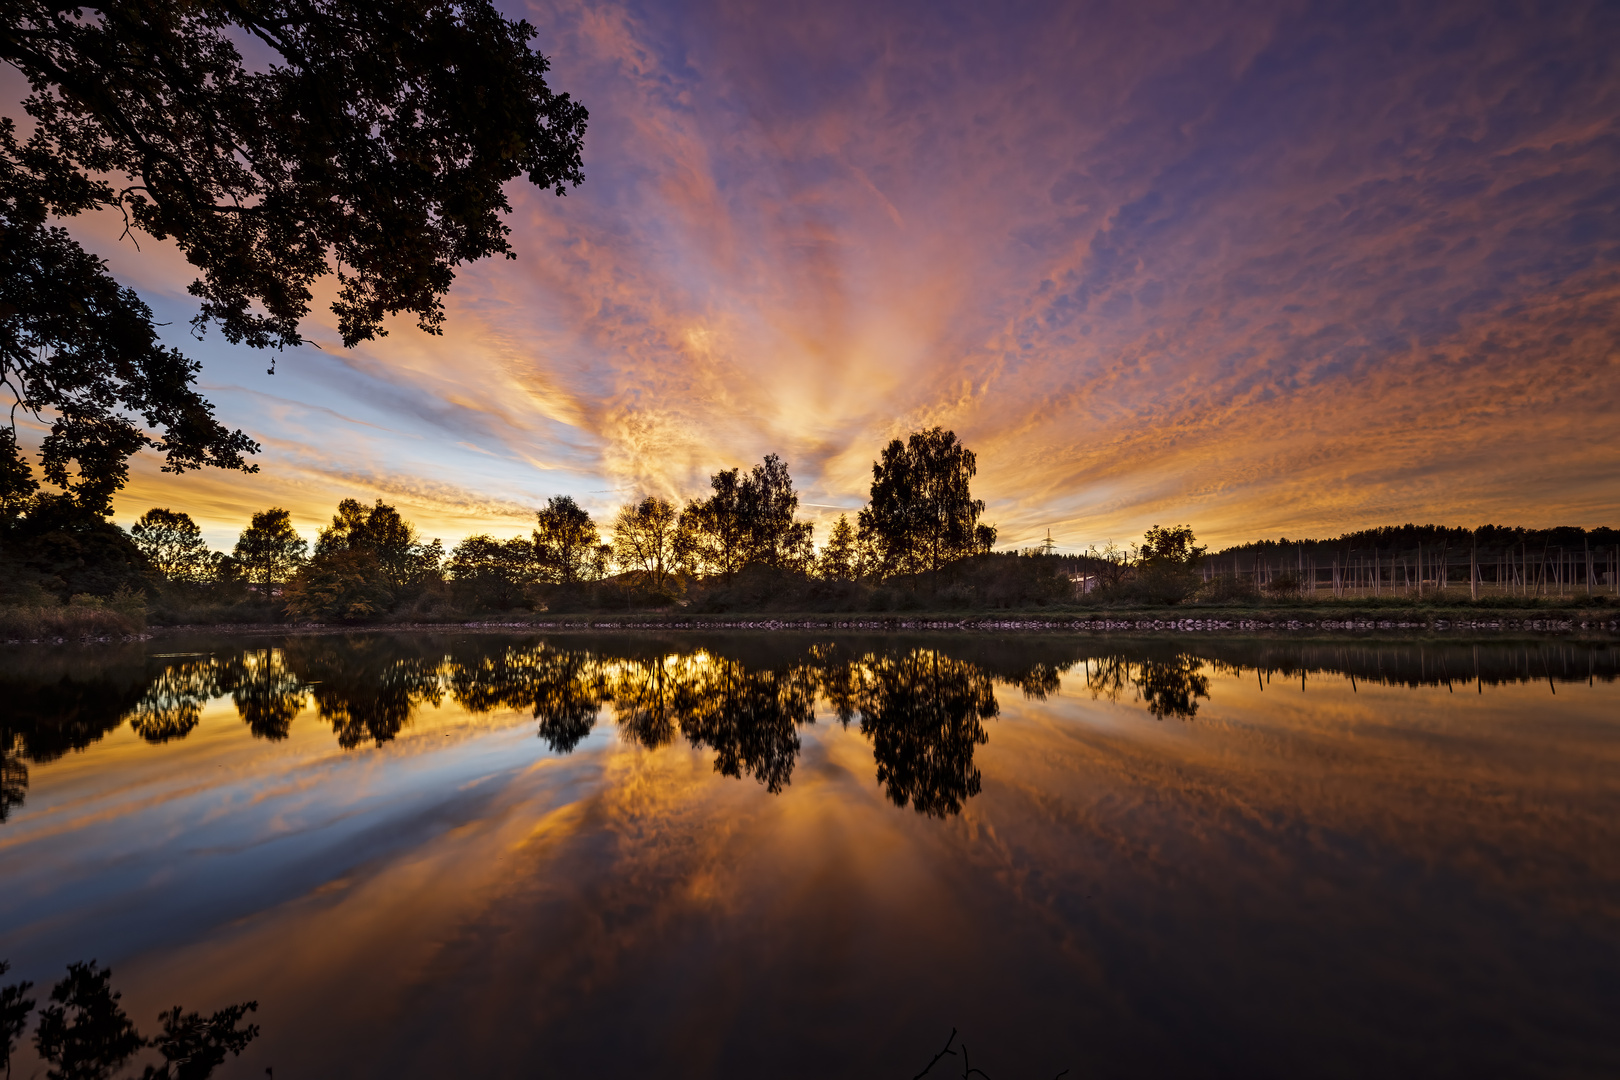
pixel 13 776
pixel 83 1032
pixel 367 686
pixel 1168 681
pixel 922 712
pixel 172 704
pixel 562 688
pixel 267 695
pixel 749 718
pixel 923 705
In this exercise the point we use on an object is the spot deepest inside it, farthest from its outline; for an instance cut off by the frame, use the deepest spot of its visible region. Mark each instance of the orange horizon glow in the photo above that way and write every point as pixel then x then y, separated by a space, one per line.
pixel 1260 272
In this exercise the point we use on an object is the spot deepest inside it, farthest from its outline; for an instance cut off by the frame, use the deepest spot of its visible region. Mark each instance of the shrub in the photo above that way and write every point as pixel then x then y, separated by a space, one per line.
pixel 1228 589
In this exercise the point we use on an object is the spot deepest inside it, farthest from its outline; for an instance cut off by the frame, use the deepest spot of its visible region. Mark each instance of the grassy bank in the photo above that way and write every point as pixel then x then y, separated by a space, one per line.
pixel 81 619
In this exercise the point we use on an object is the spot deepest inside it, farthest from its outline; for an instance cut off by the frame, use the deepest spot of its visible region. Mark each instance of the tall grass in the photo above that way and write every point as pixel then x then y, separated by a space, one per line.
pixel 82 618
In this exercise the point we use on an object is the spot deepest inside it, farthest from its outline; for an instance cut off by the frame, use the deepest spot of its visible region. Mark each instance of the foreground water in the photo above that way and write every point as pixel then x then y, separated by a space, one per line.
pixel 782 856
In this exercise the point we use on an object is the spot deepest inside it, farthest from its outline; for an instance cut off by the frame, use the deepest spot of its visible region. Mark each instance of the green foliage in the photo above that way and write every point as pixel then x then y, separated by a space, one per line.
pixel 343 585
pixel 174 545
pixel 269 551
pixel 491 573
pixel 566 542
pixel 922 515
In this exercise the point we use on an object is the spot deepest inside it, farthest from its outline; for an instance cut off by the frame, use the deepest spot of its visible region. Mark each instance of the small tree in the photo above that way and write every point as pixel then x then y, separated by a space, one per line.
pixel 270 550
pixel 174 545
pixel 838 557
pixel 1165 564
pixel 565 540
pixel 1169 549
pixel 644 540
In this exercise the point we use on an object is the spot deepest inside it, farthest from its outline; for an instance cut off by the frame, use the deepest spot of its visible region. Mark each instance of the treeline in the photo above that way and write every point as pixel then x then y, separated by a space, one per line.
pixel 918 543
pixel 1490 560
pixel 739 547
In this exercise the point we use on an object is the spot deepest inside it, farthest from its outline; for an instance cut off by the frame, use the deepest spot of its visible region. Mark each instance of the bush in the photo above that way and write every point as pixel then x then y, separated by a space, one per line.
pixel 1284 585
pixel 82 618
pixel 1161 586
pixel 1228 589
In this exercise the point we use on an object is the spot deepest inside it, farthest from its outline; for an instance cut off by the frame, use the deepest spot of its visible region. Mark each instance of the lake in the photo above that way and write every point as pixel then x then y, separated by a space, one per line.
pixel 798 855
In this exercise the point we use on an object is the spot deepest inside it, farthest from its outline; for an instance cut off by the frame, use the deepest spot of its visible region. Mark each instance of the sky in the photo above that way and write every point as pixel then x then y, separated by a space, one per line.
pixel 1262 268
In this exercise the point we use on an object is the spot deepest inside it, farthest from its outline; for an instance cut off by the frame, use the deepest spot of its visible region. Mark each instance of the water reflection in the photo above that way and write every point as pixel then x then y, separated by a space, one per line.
pixel 923 703
pixel 1227 864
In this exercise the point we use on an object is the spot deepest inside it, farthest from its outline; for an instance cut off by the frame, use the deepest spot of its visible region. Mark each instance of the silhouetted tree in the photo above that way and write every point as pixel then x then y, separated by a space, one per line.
pixel 270 550
pixel 644 536
pixel 493 573
pixel 715 534
pixel 84 1033
pixel 922 515
pixel 17 483
pixel 380 533
pixel 748 519
pixel 375 140
pixel 367 560
pixel 838 557
pixel 174 545
pixel 1165 565
pixel 565 541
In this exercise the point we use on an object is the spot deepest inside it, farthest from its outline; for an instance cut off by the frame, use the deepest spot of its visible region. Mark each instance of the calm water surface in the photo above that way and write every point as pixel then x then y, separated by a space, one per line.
pixel 792 856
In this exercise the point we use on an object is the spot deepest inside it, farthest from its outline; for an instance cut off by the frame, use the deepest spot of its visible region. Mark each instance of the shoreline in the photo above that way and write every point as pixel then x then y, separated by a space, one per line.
pixel 1490 624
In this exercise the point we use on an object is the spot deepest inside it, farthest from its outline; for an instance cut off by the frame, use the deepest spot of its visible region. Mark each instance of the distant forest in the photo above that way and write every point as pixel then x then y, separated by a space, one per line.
pixel 1503 560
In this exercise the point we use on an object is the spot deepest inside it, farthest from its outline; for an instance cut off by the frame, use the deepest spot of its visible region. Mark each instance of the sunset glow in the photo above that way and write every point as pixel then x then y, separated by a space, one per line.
pixel 1297 271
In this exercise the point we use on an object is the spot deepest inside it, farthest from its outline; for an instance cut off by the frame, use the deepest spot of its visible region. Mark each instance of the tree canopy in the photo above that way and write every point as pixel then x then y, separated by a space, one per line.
pixel 174 545
pixel 748 519
pixel 373 143
pixel 922 514
pixel 270 549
